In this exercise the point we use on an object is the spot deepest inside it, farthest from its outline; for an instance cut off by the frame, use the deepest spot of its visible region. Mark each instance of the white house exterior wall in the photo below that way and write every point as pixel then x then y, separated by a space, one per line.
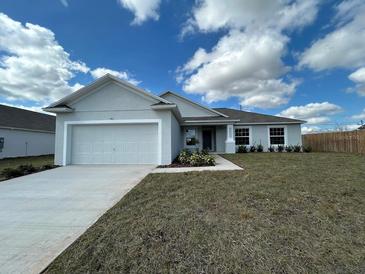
pixel 112 103
pixel 19 143
pixel 260 134
pixel 188 109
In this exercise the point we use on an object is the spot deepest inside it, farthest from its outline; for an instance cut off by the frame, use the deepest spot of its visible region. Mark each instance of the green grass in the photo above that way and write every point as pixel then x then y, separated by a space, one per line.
pixel 36 161
pixel 285 213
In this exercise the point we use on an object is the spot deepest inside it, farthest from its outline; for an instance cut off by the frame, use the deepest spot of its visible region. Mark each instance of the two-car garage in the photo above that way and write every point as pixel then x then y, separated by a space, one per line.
pixel 113 143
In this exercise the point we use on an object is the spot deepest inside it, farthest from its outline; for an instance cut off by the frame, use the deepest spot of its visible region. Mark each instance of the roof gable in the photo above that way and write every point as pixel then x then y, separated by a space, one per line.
pixel 101 82
pixel 111 97
pixel 189 108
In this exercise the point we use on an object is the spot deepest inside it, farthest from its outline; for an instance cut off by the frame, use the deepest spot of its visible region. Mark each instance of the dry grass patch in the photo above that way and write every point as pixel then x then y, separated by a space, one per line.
pixel 288 213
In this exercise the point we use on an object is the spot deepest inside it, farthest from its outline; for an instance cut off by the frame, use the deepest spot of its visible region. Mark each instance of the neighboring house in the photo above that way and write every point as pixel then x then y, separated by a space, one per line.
pixel 25 133
pixel 114 122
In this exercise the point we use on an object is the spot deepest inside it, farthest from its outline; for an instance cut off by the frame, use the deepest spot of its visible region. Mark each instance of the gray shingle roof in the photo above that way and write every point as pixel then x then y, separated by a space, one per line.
pixel 252 117
pixel 11 117
pixel 246 117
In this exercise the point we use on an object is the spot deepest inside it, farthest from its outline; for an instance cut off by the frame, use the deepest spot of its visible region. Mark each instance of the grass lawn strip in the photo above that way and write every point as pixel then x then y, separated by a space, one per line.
pixel 287 212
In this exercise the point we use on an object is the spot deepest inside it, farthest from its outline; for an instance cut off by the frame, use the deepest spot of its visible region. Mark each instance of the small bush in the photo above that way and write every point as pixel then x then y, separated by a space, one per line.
pixel 196 158
pixel 242 149
pixel 289 148
pixel 271 149
pixel 10 173
pixel 47 167
pixel 307 149
pixel 280 148
pixel 252 148
pixel 297 148
pixel 260 148
pixel 27 169
pixel 184 156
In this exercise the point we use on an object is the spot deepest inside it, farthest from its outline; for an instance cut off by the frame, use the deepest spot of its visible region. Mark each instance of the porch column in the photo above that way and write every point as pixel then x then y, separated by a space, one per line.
pixel 230 142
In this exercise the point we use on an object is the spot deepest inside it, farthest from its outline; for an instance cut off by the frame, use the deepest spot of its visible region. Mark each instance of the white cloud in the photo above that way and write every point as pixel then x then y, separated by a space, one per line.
pixel 247 62
pixel 344 47
pixel 358 77
pixel 348 127
pixel 99 72
pixel 313 113
pixel 311 129
pixel 245 65
pixel 360 116
pixel 142 9
pixel 33 66
pixel 64 2
pixel 211 15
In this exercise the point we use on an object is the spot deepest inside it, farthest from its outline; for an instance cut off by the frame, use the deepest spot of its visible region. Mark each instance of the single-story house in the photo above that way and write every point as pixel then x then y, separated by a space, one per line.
pixel 25 133
pixel 114 122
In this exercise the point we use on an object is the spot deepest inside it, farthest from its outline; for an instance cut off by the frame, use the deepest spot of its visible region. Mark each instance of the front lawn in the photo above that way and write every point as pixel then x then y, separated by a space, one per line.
pixel 286 212
pixel 36 161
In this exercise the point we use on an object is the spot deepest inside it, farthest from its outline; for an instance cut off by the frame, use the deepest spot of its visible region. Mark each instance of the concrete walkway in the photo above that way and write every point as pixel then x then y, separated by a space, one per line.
pixel 43 213
pixel 221 165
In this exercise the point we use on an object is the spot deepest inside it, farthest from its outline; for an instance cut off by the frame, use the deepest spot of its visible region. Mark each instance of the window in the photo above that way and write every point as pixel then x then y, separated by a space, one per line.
pixel 242 136
pixel 277 136
pixel 190 138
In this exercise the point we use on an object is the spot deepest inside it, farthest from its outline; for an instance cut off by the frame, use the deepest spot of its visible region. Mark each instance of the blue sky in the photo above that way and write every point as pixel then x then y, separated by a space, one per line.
pixel 301 60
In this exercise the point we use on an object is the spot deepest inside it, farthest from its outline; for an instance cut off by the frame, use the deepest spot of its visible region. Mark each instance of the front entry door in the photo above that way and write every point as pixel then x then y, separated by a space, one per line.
pixel 207 139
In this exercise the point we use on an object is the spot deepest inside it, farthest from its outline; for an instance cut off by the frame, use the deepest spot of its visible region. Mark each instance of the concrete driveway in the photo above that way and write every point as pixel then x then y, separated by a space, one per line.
pixel 43 213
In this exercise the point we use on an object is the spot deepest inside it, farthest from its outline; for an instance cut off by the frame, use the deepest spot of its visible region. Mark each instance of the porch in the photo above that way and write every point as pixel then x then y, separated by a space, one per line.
pixel 213 138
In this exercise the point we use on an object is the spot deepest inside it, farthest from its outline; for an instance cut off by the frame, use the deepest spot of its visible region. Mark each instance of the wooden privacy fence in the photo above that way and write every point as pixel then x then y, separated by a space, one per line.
pixel 347 141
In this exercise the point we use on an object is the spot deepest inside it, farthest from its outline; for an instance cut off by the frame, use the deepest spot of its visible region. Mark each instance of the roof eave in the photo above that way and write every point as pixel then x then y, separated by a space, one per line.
pixel 58 109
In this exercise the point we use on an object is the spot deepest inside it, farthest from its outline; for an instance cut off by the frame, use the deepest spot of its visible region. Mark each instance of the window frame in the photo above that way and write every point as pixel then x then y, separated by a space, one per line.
pixel 196 137
pixel 249 135
pixel 285 135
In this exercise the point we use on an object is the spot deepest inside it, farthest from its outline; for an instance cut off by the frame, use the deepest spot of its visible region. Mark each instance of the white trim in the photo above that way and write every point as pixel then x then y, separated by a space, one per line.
pixel 197 145
pixel 210 121
pixel 249 134
pixel 192 103
pixel 108 122
pixel 58 109
pixel 285 135
pixel 272 123
pixel 163 106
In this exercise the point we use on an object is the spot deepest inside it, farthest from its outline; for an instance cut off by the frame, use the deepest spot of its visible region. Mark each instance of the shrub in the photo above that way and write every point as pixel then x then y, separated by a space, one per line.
pixel 260 148
pixel 184 156
pixel 27 169
pixel 242 149
pixel 10 173
pixel 271 149
pixel 46 167
pixel 252 148
pixel 289 148
pixel 297 148
pixel 307 149
pixel 280 148
pixel 196 158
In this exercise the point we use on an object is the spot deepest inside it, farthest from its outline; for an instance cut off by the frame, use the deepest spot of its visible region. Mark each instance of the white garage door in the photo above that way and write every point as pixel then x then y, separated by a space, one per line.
pixel 115 144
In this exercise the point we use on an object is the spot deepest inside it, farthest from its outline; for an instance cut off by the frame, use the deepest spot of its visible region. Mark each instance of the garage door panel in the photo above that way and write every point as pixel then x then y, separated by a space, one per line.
pixel 114 144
